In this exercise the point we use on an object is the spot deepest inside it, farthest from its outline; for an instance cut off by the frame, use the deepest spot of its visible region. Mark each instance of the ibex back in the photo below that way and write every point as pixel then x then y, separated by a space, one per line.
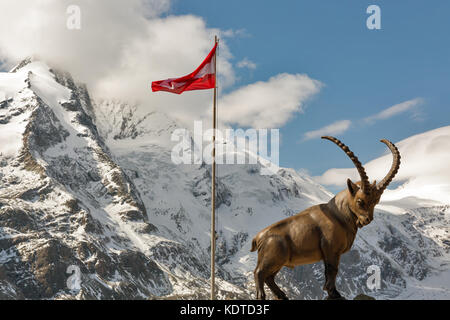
pixel 322 232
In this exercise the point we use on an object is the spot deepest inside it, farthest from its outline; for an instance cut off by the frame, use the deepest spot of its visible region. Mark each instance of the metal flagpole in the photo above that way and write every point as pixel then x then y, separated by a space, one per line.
pixel 213 184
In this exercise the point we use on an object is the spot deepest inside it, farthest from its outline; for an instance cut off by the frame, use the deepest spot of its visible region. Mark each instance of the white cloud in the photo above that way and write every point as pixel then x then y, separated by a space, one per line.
pixel 424 169
pixel 410 105
pixel 335 128
pixel 246 63
pixel 339 127
pixel 39 27
pixel 123 46
pixel 239 33
pixel 166 54
pixel 268 104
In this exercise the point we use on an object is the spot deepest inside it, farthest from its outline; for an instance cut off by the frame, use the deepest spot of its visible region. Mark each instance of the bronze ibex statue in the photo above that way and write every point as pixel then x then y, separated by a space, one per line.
pixel 321 232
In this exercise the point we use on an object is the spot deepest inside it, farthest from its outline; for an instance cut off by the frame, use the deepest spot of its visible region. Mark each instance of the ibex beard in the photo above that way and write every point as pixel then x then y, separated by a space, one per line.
pixel 321 232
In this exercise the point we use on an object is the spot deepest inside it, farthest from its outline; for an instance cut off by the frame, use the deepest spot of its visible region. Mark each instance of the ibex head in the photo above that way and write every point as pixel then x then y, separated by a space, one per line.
pixel 363 196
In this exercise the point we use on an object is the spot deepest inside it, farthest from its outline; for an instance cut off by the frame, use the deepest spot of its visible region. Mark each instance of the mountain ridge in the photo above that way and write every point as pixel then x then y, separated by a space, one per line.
pixel 93 185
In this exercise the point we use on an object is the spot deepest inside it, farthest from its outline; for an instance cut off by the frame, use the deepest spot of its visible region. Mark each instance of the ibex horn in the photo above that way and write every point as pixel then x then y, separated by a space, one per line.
pixel 365 185
pixel 382 185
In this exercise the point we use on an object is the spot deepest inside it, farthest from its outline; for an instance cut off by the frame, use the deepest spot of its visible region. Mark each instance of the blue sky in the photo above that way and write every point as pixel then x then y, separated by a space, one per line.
pixel 363 71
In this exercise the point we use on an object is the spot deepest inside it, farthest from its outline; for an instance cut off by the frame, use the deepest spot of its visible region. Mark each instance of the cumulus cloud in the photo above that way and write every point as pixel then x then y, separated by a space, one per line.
pixel 165 55
pixel 123 46
pixel 268 104
pixel 335 128
pixel 410 105
pixel 246 63
pixel 424 170
pixel 120 48
pixel 39 27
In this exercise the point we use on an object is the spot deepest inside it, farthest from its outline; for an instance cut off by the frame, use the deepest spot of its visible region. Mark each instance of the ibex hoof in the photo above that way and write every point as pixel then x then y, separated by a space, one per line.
pixel 335 298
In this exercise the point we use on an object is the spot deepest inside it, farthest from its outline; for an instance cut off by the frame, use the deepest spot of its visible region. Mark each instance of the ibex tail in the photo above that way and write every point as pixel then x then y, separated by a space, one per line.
pixel 253 245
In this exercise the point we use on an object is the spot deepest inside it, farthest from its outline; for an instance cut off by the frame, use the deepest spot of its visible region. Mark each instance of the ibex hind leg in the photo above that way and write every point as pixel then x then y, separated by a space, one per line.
pixel 270 281
pixel 272 255
pixel 262 271
pixel 259 283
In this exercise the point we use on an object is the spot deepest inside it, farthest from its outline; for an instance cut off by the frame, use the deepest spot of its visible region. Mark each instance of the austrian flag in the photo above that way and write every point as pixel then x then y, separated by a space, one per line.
pixel 204 77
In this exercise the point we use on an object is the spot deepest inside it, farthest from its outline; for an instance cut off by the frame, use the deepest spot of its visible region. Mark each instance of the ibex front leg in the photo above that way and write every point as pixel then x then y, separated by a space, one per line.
pixel 331 263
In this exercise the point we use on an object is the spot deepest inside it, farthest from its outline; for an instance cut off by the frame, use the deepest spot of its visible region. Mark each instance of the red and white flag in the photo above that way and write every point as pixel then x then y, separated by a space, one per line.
pixel 204 77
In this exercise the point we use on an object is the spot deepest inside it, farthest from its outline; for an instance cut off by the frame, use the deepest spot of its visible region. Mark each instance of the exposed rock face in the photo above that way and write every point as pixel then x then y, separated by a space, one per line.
pixel 93 186
pixel 64 200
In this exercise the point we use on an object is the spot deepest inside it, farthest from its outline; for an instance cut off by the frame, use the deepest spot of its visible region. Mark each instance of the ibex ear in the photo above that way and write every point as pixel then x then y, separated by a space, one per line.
pixel 353 188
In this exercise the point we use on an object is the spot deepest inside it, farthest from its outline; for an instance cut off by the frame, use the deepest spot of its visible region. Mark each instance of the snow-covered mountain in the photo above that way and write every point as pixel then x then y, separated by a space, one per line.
pixel 92 185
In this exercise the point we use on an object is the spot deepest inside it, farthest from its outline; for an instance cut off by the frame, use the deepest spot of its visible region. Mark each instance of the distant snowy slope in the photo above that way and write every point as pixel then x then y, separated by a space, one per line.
pixel 248 202
pixel 424 172
pixel 177 197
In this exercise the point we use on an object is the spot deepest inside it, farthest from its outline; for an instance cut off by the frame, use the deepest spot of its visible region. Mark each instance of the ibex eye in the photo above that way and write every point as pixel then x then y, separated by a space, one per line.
pixel 360 202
